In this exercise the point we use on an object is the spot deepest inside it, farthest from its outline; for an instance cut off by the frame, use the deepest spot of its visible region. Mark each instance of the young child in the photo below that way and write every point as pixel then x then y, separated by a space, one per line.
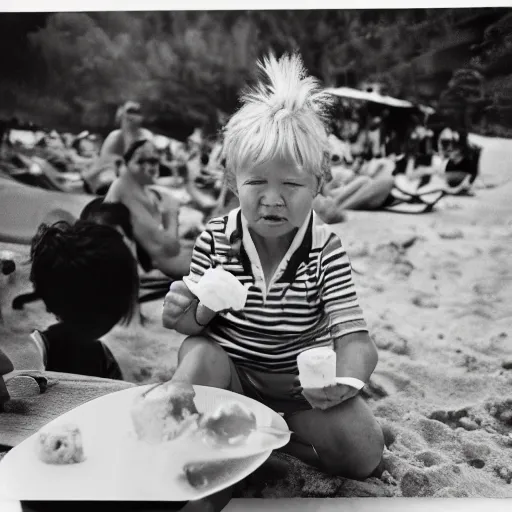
pixel 87 277
pixel 300 290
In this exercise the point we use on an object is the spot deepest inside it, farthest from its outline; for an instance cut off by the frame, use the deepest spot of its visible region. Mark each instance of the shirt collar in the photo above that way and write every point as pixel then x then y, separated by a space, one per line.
pixel 296 254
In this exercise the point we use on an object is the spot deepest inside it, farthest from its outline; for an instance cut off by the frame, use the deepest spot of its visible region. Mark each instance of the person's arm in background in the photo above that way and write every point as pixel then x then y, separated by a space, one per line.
pixel 161 244
pixel 170 210
pixel 111 144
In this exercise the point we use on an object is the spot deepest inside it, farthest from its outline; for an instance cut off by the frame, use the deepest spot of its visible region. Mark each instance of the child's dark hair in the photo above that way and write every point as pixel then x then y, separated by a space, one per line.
pixel 85 274
pixel 108 214
pixel 131 150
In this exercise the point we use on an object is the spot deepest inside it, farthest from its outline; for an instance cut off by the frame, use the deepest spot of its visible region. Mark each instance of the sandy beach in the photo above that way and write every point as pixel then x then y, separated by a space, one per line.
pixel 437 293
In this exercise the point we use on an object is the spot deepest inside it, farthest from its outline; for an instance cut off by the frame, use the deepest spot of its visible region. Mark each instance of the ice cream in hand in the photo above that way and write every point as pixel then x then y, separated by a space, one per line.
pixel 219 290
pixel 317 367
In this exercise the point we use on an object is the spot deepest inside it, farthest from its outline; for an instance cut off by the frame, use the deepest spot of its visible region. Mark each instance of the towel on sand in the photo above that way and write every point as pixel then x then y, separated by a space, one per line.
pixel 59 393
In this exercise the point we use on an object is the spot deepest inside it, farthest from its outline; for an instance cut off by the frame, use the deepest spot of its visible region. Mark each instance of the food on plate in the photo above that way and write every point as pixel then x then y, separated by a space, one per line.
pixel 201 474
pixel 230 423
pixel 164 412
pixel 60 444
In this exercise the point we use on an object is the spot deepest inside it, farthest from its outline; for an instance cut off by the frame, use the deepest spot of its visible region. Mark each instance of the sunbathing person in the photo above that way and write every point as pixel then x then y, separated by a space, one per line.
pixel 348 191
pixel 446 142
pixel 154 217
pixel 454 170
pixel 463 163
pixel 105 169
pixel 276 151
pixel 419 161
pixel 129 116
pixel 52 149
pixel 86 145
pixel 87 278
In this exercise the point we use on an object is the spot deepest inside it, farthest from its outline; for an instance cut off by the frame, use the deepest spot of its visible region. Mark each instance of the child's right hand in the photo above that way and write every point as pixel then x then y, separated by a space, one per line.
pixel 176 302
pixel 219 290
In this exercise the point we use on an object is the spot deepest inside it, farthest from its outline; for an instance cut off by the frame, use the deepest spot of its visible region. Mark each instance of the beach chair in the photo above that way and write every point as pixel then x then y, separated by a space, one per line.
pixel 59 181
pixel 409 197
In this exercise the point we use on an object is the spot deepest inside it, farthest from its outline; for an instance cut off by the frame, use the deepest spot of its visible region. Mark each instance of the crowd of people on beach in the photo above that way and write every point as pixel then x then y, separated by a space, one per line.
pixel 135 177
pixel 368 150
pixel 131 235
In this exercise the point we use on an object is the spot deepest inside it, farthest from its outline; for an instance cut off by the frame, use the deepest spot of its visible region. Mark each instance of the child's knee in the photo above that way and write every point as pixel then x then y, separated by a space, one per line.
pixel 203 349
pixel 203 362
pixel 371 454
pixel 356 441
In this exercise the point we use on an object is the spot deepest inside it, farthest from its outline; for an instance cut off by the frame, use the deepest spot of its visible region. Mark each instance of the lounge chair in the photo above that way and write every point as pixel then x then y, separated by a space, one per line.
pixel 407 197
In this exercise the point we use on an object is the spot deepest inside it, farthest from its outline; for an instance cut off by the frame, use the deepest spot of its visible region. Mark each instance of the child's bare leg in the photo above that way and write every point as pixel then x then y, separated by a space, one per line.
pixel 347 438
pixel 202 362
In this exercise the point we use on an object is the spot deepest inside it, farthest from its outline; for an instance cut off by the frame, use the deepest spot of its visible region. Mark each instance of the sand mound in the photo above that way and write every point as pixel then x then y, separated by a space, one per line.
pixel 436 290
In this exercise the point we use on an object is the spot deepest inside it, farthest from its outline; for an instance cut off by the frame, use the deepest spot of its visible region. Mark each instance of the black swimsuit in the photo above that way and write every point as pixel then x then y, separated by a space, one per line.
pixel 70 351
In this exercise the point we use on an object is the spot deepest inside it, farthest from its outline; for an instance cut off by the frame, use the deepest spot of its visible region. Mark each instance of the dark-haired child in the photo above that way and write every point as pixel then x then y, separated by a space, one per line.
pixel 87 277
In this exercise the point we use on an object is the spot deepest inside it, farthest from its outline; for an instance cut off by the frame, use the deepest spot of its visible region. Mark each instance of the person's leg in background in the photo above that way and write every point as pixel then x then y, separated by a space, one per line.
pixel 370 194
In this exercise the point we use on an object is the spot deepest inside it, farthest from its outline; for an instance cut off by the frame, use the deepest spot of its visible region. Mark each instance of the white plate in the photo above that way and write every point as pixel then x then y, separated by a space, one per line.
pixel 120 467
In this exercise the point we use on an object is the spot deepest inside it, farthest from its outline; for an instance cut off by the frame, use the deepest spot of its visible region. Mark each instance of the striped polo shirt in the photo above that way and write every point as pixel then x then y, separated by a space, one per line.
pixel 311 291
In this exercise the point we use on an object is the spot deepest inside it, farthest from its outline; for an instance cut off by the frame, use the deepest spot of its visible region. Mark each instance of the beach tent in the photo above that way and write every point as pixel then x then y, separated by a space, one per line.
pixel 374 97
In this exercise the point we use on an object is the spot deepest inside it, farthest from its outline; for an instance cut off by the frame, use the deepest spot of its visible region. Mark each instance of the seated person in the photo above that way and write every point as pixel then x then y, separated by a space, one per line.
pixel 87 278
pixel 290 263
pixel 340 151
pixel 155 219
pixel 463 162
pixel 106 167
pixel 86 145
pixel 129 117
pixel 419 162
pixel 344 191
pixel 51 147
pixel 117 216
pixel 446 142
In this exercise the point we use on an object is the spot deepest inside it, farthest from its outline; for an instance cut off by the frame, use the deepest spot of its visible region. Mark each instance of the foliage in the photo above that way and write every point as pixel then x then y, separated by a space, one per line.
pixel 187 68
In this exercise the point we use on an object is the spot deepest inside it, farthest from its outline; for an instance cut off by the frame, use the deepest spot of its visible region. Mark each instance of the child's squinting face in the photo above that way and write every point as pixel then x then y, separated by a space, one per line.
pixel 276 198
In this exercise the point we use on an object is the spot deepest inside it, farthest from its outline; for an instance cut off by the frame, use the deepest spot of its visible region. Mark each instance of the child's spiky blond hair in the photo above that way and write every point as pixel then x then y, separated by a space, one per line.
pixel 284 116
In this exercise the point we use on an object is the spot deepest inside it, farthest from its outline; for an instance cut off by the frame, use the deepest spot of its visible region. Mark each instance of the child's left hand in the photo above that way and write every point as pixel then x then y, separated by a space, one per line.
pixel 327 397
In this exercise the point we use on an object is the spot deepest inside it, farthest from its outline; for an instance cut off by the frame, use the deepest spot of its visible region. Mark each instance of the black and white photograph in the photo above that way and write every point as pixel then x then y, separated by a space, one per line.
pixel 249 256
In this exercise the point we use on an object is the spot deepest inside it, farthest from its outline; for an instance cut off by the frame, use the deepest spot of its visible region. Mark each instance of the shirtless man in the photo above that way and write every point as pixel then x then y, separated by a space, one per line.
pixel 129 116
pixel 154 217
pixel 105 168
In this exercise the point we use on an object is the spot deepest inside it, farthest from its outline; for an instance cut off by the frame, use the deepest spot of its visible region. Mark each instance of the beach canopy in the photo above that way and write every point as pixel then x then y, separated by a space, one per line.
pixel 375 97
